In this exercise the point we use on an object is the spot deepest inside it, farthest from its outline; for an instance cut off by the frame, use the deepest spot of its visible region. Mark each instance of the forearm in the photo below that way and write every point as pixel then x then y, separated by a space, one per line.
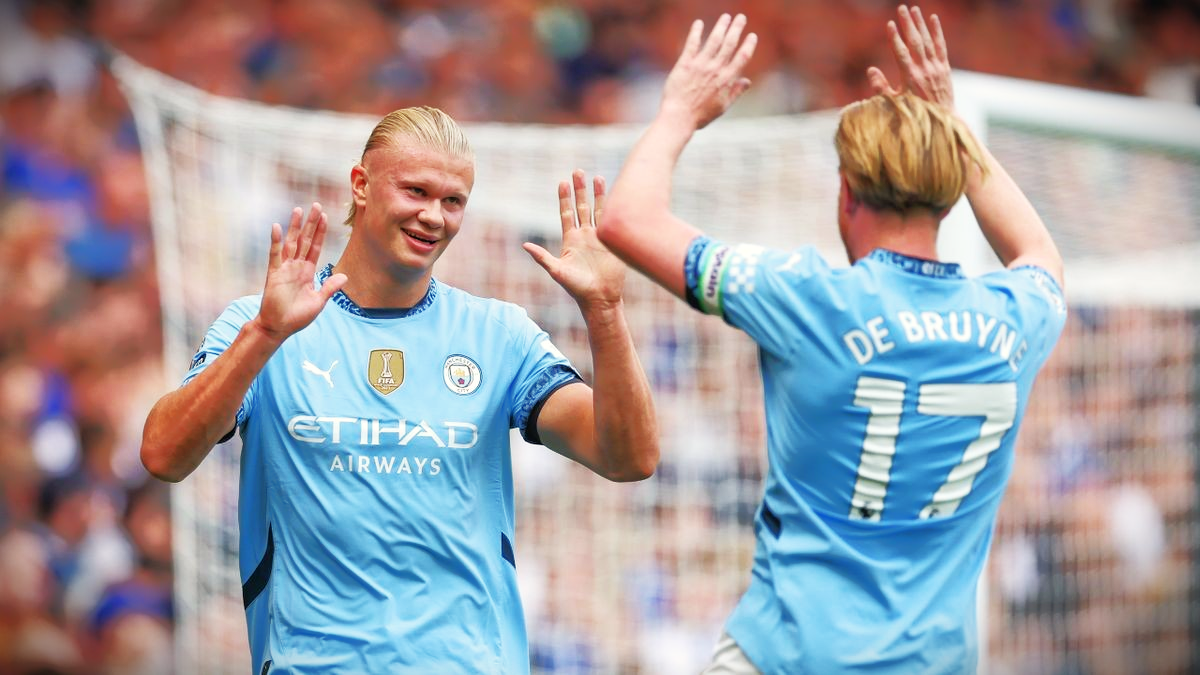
pixel 184 425
pixel 626 426
pixel 637 224
pixel 645 179
pixel 1009 222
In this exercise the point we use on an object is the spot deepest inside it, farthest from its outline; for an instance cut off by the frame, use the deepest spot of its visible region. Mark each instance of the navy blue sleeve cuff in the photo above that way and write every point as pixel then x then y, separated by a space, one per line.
pixel 530 431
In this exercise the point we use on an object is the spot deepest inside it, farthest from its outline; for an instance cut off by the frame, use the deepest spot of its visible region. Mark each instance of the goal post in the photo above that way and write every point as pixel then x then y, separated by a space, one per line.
pixel 1094 131
pixel 1095 555
pixel 1094 566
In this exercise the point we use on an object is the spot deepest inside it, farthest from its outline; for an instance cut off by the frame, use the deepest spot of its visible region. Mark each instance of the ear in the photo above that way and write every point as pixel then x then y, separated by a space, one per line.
pixel 847 202
pixel 358 185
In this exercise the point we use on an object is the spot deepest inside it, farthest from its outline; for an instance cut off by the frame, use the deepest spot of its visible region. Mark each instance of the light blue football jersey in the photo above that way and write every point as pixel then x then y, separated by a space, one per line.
pixel 376 495
pixel 893 393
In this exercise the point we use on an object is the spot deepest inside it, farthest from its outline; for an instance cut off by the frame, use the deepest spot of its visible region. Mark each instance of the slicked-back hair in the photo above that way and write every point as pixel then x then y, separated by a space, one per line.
pixel 902 153
pixel 423 125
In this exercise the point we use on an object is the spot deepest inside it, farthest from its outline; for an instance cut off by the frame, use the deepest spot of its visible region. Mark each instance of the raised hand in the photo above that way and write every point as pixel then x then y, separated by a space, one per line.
pixel 289 300
pixel 592 276
pixel 921 55
pixel 707 78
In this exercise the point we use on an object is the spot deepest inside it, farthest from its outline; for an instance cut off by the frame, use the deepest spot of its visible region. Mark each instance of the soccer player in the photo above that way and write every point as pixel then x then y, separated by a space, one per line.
pixel 893 388
pixel 376 495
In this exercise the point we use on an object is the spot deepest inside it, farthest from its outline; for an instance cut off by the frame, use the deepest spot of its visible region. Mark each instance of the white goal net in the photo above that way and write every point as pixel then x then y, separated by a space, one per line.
pixel 1095 560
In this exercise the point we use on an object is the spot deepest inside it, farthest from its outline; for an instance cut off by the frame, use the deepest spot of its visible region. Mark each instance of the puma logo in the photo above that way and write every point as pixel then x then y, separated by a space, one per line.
pixel 791 263
pixel 310 368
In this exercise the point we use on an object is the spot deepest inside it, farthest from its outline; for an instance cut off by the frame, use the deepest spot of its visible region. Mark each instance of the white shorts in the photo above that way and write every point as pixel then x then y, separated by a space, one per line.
pixel 729 659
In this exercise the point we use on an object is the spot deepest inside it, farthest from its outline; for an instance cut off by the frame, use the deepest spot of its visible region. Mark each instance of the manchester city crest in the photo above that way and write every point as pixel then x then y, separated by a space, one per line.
pixel 461 374
pixel 385 370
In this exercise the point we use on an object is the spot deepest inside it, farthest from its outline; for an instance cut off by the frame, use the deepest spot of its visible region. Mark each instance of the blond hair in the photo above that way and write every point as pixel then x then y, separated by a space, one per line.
pixel 426 126
pixel 900 152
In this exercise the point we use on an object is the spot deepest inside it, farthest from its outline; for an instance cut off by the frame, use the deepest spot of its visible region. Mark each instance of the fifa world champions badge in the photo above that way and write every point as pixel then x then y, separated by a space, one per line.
pixel 461 374
pixel 385 370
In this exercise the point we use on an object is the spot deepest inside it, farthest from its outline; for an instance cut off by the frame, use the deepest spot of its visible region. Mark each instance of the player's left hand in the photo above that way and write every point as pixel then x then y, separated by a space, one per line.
pixel 707 78
pixel 592 275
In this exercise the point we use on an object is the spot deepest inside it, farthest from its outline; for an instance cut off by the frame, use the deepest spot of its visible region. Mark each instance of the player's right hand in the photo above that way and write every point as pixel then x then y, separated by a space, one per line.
pixel 921 54
pixel 290 302
pixel 707 78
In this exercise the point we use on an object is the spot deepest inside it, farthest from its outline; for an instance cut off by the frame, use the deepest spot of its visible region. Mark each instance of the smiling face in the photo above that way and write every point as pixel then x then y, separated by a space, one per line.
pixel 409 202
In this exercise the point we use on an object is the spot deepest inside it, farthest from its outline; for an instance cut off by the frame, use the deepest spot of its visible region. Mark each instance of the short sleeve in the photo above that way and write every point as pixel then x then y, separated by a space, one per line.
pixel 1040 306
pixel 217 339
pixel 542 370
pixel 770 294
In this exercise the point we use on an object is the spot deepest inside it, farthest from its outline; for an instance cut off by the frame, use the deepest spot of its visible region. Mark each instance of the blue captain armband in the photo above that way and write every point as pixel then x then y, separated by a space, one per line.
pixel 712 270
pixel 702 270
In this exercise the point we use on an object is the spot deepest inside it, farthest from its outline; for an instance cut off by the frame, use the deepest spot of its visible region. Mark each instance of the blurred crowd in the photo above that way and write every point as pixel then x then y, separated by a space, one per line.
pixel 85 538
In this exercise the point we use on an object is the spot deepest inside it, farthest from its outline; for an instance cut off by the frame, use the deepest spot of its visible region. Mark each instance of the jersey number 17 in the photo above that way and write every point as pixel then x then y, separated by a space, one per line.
pixel 995 402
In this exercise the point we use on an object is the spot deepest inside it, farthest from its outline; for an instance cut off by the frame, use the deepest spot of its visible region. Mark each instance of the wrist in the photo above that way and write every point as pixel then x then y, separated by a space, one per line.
pixel 260 334
pixel 678 116
pixel 603 313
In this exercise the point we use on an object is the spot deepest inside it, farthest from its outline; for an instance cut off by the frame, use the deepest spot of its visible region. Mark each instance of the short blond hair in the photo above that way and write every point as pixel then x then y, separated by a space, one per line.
pixel 424 125
pixel 900 152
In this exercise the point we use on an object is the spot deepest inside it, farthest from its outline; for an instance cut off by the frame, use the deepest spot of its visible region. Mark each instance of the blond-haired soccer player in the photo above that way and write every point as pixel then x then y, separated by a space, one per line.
pixel 376 496
pixel 893 388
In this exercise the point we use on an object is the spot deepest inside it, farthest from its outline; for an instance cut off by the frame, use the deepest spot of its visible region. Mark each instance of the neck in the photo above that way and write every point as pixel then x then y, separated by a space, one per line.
pixel 912 235
pixel 922 247
pixel 377 287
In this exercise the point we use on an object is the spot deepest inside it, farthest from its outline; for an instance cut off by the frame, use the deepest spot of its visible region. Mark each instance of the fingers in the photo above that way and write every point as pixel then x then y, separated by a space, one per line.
pixel 316 221
pixel 598 197
pixel 692 45
pixel 742 57
pixel 926 44
pixel 939 40
pixel 582 208
pixel 899 50
pixel 920 51
pixel 299 239
pixel 541 256
pixel 926 38
pixel 879 82
pixel 565 212
pixel 722 44
pixel 293 234
pixel 729 41
pixel 318 240
pixel 274 259
pixel 712 46
pixel 332 285
pixel 705 80
pixel 579 212
pixel 916 45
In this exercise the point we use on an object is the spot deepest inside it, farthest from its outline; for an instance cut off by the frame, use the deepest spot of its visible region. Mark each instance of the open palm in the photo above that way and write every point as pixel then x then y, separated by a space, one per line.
pixel 592 275
pixel 290 301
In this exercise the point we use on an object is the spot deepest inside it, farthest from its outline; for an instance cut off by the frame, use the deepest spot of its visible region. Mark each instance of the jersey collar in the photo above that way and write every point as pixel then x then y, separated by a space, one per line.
pixel 342 300
pixel 920 266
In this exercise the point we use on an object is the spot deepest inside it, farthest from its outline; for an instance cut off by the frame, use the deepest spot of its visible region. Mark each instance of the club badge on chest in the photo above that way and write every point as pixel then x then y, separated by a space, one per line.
pixel 461 374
